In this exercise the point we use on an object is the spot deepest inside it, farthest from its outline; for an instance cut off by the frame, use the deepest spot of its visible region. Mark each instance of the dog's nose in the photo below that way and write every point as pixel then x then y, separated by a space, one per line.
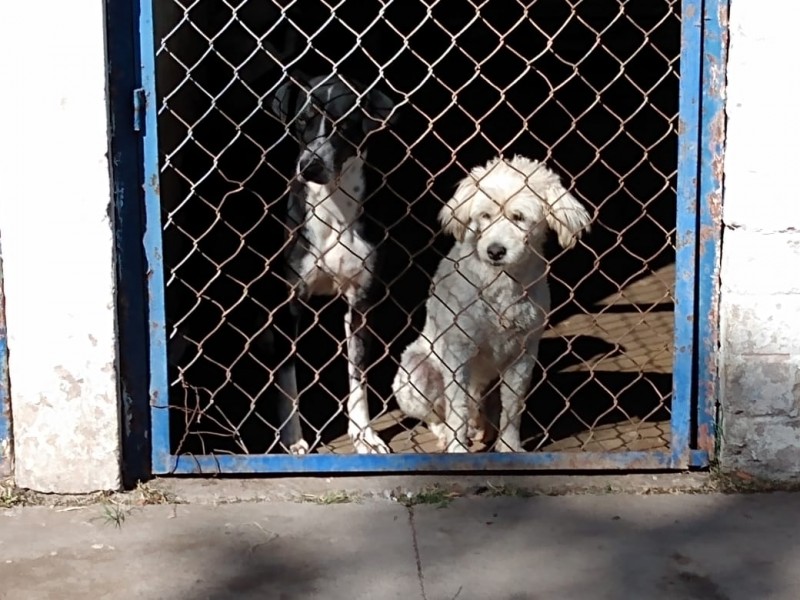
pixel 496 251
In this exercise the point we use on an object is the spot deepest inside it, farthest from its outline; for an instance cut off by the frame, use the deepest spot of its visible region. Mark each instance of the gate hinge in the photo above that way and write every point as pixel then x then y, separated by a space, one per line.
pixel 139 106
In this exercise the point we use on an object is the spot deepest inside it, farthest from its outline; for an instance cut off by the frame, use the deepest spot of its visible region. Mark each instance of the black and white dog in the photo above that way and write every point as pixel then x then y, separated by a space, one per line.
pixel 329 249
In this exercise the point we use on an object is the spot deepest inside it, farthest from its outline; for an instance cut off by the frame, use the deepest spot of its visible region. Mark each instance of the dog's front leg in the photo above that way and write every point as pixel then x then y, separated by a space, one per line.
pixel 478 421
pixel 291 433
pixel 457 411
pixel 365 439
pixel 513 389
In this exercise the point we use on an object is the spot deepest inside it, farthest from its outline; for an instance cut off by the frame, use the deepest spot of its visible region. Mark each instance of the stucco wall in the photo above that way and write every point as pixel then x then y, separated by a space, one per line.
pixel 760 301
pixel 58 247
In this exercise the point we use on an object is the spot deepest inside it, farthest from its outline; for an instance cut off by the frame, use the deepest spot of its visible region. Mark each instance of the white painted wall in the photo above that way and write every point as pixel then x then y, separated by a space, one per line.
pixel 760 301
pixel 58 246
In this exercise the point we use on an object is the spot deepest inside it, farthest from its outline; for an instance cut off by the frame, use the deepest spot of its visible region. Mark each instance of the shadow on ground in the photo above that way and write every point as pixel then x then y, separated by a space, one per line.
pixel 688 547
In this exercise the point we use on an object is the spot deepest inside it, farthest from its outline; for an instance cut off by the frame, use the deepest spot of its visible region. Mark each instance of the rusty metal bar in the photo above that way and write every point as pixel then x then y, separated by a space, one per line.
pixel 5 397
pixel 712 148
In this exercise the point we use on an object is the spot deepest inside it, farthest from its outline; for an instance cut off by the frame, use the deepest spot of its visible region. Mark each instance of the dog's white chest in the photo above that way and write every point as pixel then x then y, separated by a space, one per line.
pixel 339 259
pixel 511 308
pixel 341 256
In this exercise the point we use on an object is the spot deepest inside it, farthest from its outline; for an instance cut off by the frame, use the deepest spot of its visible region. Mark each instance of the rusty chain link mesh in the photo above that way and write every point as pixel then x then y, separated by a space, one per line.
pixel 590 87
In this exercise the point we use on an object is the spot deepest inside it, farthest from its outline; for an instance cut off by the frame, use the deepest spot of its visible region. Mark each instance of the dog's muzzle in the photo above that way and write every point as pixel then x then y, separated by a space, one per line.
pixel 311 168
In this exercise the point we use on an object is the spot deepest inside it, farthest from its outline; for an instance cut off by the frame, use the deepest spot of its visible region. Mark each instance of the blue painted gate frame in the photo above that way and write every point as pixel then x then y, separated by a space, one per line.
pixel 693 410
pixel 5 398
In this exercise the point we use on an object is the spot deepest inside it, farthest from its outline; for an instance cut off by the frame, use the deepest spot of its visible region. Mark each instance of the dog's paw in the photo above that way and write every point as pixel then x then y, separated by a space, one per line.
pixel 476 432
pixel 299 448
pixel 440 431
pixel 508 446
pixel 457 447
pixel 368 442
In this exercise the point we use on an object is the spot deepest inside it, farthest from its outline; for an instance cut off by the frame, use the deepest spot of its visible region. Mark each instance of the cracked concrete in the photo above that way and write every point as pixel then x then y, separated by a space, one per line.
pixel 509 548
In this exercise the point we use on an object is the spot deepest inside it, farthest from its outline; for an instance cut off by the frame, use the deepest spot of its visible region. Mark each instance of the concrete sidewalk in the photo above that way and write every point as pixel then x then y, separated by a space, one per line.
pixel 614 546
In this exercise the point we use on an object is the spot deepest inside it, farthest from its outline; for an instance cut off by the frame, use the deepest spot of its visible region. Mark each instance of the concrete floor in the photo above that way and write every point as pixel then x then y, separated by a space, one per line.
pixel 616 547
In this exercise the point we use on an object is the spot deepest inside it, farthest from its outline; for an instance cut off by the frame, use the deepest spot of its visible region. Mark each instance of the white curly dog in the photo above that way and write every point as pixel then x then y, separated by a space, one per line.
pixel 489 302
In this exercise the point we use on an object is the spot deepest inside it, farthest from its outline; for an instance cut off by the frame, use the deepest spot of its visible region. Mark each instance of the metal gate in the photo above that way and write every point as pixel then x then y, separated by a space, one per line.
pixel 5 403
pixel 622 100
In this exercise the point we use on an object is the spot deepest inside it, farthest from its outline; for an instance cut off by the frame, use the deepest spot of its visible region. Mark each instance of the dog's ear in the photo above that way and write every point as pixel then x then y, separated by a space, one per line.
pixel 378 108
pixel 455 215
pixel 281 101
pixel 566 215
pixel 284 100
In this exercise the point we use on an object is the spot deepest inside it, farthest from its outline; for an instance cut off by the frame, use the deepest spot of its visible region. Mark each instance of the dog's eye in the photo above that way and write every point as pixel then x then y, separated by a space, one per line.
pixel 485 216
pixel 518 217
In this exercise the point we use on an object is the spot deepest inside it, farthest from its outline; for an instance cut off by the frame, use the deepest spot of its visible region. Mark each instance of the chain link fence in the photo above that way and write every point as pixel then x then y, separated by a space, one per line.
pixel 590 87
